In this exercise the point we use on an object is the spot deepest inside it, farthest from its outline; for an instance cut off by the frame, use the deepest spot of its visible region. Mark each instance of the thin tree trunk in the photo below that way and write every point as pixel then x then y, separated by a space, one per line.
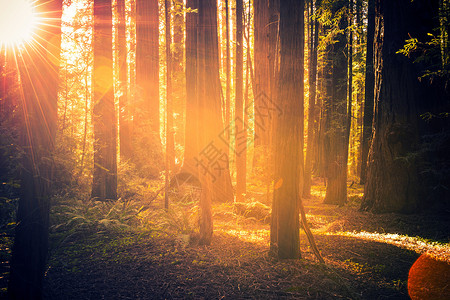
pixel 336 166
pixel 314 40
pixel 318 166
pixel 262 73
pixel 240 138
pixel 360 94
pixel 191 140
pixel 86 116
pixel 104 184
pixel 274 6
pixel 248 72
pixel 169 108
pixel 228 73
pixel 348 125
pixel 178 79
pixel 369 91
pixel 3 86
pixel 124 115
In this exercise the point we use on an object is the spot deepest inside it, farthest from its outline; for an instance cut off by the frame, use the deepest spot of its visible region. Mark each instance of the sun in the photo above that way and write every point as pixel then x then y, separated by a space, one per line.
pixel 17 22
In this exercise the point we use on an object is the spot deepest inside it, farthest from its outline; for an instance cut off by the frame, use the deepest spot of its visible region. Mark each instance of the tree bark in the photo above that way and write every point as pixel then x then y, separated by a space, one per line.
pixel 147 60
pixel 147 148
pixel 289 130
pixel 191 137
pixel 336 162
pixel 392 183
pixel 240 130
pixel 104 184
pixel 124 110
pixel 40 78
pixel 211 158
pixel 314 40
pixel 178 78
pixel 228 72
pixel 358 125
pixel 369 91
pixel 261 59
pixel 348 124
pixel 170 159
pixel 274 8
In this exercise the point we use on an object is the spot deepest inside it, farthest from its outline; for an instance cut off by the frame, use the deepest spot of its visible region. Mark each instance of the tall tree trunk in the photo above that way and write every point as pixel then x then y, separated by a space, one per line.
pixel 191 137
pixel 314 40
pixel 39 76
pixel 262 73
pixel 336 166
pixel 323 81
pixel 3 89
pixel 240 130
pixel 178 20
pixel 248 77
pixel 289 129
pixel 358 127
pixel 211 159
pixel 392 183
pixel 274 8
pixel 178 85
pixel 265 39
pixel 86 116
pixel 147 152
pixel 170 161
pixel 124 114
pixel 348 124
pixel 147 59
pixel 228 72
pixel 104 184
pixel 369 91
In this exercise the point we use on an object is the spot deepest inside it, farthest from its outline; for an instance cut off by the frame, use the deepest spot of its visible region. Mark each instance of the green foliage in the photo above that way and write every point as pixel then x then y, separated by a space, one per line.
pixel 433 53
pixel 360 268
pixel 182 216
pixel 131 186
pixel 411 45
pixel 255 210
pixel 70 215
pixel 8 208
pixel 330 19
pixel 428 116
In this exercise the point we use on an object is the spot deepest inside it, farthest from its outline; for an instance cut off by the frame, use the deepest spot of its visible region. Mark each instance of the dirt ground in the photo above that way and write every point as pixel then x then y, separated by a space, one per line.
pixel 157 265
pixel 161 264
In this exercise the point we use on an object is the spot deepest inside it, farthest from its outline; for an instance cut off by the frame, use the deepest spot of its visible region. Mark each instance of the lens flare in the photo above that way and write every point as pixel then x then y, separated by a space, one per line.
pixel 17 22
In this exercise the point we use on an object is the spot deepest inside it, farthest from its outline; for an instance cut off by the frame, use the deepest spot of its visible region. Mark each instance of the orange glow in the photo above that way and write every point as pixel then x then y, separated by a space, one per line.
pixel 428 279
pixel 17 22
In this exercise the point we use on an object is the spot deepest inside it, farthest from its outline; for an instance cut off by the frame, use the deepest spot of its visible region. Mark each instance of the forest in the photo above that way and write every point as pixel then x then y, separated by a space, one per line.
pixel 224 149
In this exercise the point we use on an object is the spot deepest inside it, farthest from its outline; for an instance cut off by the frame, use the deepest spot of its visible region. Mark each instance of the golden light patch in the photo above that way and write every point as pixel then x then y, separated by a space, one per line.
pixel 278 184
pixel 53 50
pixel 103 74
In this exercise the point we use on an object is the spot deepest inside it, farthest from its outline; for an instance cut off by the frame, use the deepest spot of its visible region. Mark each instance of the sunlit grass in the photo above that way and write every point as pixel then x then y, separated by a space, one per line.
pixel 318 191
pixel 260 236
pixel 419 245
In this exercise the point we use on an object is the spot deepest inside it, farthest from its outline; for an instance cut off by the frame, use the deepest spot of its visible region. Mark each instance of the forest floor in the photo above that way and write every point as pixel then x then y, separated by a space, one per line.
pixel 136 250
